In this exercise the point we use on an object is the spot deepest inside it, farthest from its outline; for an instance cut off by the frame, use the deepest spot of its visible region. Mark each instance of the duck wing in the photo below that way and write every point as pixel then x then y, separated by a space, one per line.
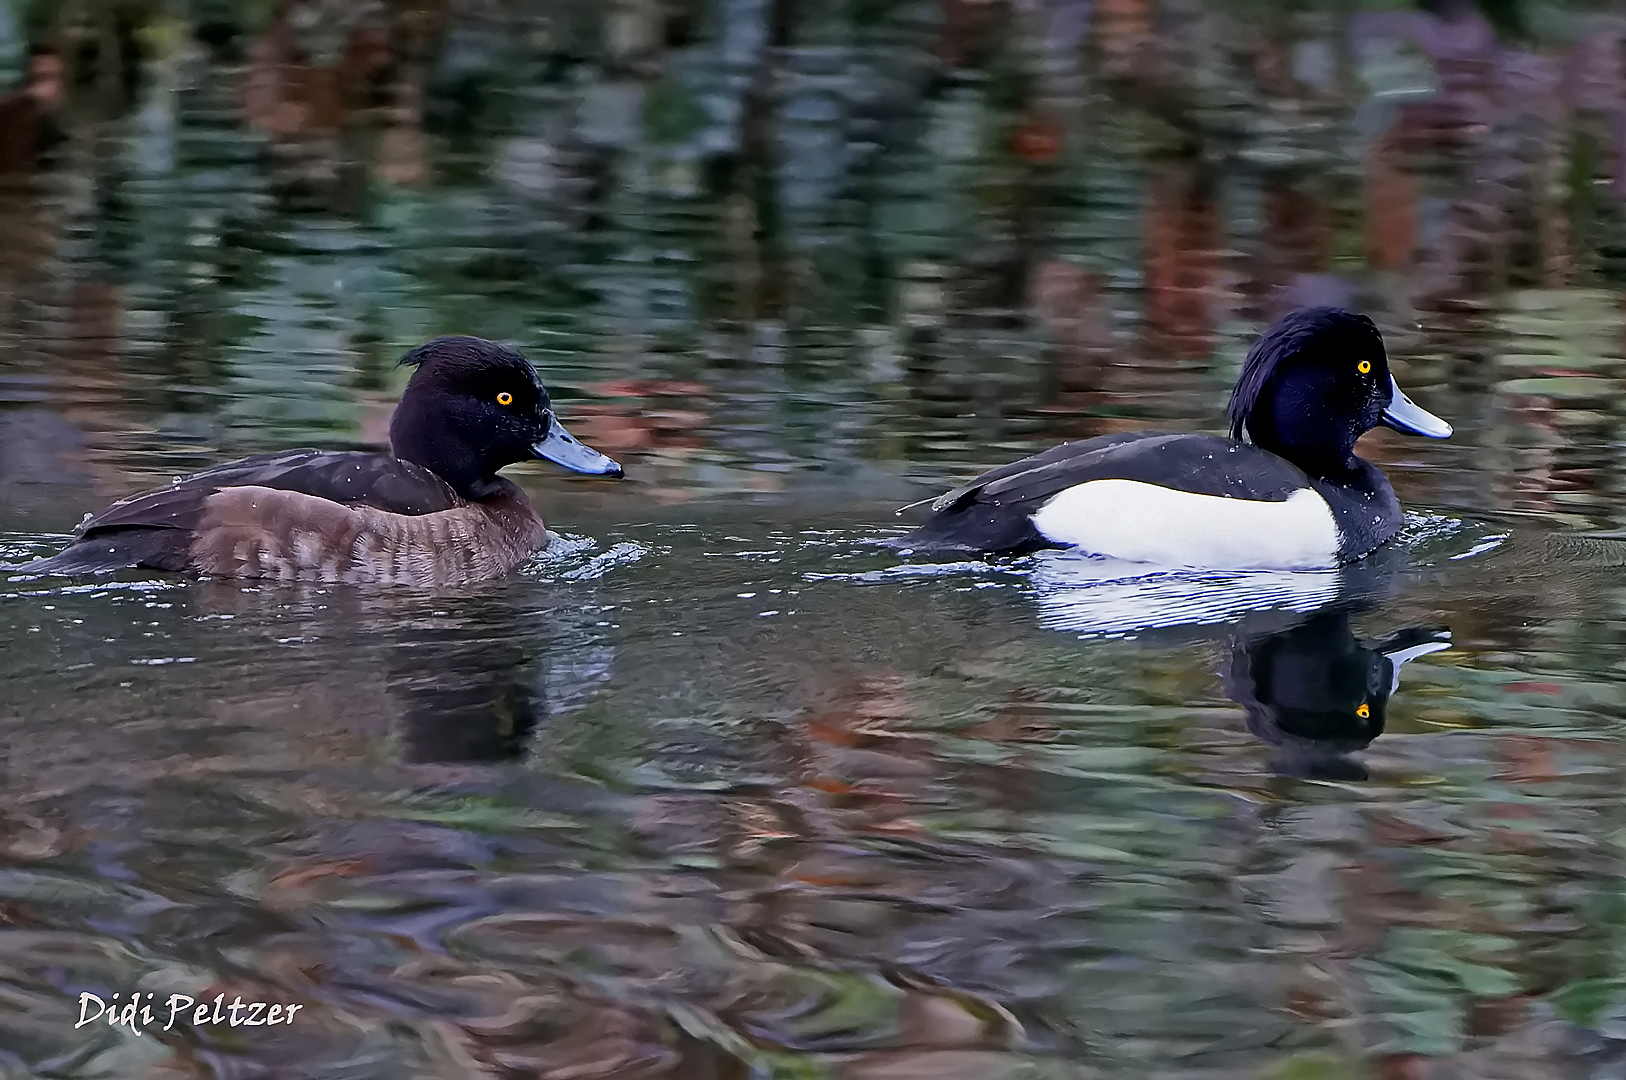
pixel 1056 456
pixel 154 528
pixel 992 512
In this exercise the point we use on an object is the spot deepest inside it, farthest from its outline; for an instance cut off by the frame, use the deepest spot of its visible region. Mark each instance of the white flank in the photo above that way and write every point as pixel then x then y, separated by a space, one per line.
pixel 1145 523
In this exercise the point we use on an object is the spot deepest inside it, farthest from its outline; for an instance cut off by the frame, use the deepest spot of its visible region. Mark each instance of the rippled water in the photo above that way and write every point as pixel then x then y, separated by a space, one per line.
pixel 720 787
pixel 727 794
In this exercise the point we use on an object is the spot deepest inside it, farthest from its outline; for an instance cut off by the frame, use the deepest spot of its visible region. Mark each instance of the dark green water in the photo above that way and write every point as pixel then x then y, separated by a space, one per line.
pixel 720 788
pixel 722 791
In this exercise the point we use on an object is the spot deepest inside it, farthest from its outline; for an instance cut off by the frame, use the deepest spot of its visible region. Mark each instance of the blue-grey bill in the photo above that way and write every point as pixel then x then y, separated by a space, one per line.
pixel 1405 415
pixel 1400 657
pixel 561 448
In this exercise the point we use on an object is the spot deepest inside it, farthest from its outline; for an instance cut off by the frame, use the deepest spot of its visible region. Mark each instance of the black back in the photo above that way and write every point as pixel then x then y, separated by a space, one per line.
pixel 991 513
pixel 1301 397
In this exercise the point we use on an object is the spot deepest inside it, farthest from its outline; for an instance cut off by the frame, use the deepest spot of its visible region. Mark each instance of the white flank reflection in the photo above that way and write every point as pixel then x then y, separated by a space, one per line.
pixel 1103 597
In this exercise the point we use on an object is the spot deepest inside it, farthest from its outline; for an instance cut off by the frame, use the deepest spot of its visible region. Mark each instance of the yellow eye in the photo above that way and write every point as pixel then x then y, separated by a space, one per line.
pixel 505 398
pixel 1364 367
pixel 1363 712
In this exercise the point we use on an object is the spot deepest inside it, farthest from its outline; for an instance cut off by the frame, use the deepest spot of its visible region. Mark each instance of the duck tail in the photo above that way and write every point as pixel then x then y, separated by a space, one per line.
pixel 973 528
pixel 116 549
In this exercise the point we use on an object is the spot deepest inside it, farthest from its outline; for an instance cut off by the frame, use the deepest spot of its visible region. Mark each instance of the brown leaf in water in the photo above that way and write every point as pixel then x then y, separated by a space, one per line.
pixel 1181 263
pixel 832 730
pixel 1037 139
pixel 1439 124
pixel 1498 1016
pixel 1017 722
pixel 1124 29
pixel 939 1022
pixel 1511 840
pixel 523 1012
pixel 16 915
pixel 1525 759
pixel 756 824
pixel 1308 1004
pixel 1403 1067
pixel 300 875
pixel 603 1042
pixel 964 33
pixel 870 706
pixel 19 133
pixel 366 51
pixel 306 884
pixel 650 388
pixel 452 1051
pixel 611 428
pixel 45 70
pixel 403 155
pixel 930 1065
pixel 902 826
pixel 677 419
pixel 1388 830
pixel 824 869
pixel 24 838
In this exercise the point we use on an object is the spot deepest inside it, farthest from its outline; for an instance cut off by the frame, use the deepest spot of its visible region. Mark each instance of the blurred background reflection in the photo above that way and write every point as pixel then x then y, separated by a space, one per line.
pixel 718 788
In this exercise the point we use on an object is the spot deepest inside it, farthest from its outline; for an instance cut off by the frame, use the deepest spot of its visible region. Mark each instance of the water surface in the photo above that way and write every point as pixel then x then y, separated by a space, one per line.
pixel 719 787
pixel 716 791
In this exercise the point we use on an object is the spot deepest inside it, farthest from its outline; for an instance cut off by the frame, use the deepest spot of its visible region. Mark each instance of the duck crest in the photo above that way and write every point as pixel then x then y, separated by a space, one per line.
pixel 1327 329
pixel 456 355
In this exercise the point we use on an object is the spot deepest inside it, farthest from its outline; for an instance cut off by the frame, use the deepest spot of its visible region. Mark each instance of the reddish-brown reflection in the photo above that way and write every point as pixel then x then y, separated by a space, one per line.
pixel 1182 240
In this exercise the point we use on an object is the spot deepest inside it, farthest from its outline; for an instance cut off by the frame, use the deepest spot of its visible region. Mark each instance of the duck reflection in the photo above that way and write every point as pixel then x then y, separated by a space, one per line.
pixel 1317 694
pixel 464 699
pixel 1094 597
pixel 473 688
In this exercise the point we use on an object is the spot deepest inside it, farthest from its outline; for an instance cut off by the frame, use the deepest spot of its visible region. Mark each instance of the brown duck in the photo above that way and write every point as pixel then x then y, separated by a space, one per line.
pixel 431 512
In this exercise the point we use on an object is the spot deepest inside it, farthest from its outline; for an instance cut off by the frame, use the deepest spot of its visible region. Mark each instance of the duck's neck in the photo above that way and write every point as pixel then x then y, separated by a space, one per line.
pixel 420 440
pixel 1325 462
pixel 1291 430
pixel 1318 464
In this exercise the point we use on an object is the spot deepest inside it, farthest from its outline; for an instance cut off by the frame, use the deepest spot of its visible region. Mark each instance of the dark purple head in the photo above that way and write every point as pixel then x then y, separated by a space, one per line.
pixel 1315 382
pixel 474 406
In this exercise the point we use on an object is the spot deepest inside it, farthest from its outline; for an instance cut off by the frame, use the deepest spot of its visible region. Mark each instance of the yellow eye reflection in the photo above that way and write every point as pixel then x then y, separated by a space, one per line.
pixel 1364 367
pixel 505 398
pixel 1365 711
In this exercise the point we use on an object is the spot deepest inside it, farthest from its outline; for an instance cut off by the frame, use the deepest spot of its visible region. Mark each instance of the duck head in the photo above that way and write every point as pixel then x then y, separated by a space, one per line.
pixel 474 406
pixel 1318 694
pixel 1315 382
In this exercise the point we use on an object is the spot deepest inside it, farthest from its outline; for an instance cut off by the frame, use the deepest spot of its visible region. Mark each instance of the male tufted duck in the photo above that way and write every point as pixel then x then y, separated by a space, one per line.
pixel 1295 497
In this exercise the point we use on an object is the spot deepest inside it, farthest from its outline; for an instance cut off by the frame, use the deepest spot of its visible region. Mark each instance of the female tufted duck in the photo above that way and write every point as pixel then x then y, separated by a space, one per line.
pixel 431 512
